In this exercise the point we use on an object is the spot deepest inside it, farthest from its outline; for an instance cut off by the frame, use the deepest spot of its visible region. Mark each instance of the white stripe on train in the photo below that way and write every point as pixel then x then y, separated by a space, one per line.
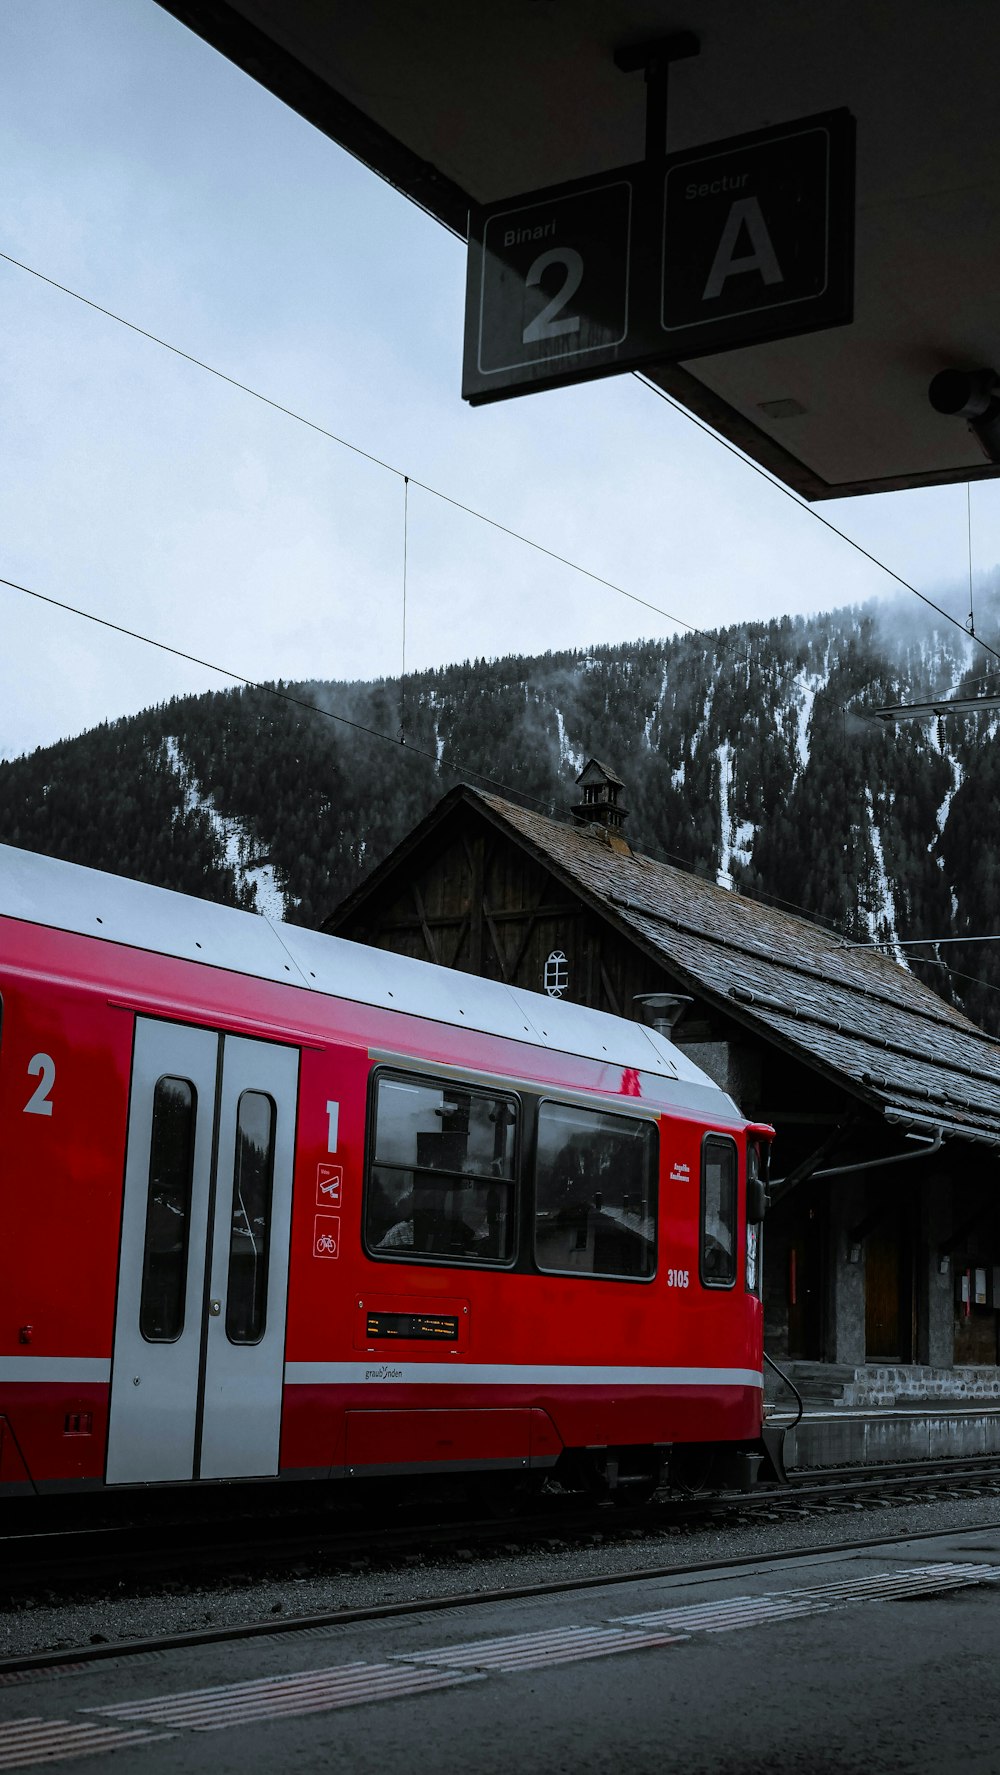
pixel 81 1370
pixel 510 1374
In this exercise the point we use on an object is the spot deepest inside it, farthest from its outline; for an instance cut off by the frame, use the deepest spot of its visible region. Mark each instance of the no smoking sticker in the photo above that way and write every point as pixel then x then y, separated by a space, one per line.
pixel 326 1235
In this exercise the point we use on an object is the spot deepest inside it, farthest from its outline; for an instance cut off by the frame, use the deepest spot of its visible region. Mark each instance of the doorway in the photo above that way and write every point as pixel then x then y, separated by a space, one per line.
pixel 198 1361
pixel 890 1307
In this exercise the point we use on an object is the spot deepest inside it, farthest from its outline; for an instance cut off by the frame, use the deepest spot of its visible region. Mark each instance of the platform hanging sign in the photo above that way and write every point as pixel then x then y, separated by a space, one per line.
pixel 716 248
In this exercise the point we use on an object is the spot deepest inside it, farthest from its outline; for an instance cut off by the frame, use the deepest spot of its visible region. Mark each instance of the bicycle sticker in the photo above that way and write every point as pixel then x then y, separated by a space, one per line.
pixel 326 1235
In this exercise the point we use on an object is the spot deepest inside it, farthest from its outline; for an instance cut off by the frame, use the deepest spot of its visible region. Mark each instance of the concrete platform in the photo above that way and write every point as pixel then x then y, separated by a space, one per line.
pixel 875 1659
pixel 877 1413
pixel 832 1437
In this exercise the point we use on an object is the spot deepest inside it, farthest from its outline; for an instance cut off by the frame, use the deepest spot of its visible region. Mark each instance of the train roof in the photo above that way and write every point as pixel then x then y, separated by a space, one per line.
pixel 46 891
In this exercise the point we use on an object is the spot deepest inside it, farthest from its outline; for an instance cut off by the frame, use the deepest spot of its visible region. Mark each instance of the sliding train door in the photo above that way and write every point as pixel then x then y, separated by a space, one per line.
pixel 248 1270
pixel 200 1320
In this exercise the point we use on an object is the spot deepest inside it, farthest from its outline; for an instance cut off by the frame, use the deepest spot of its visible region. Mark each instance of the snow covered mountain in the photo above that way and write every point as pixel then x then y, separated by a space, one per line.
pixel 750 754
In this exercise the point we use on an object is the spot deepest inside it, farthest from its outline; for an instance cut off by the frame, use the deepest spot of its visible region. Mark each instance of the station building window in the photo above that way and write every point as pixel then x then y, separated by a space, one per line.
pixel 595 1193
pixel 168 1211
pixel 441 1174
pixel 718 1211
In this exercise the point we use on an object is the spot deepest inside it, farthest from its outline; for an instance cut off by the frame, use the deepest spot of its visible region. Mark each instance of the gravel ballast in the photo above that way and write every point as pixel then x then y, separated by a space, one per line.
pixel 125 1609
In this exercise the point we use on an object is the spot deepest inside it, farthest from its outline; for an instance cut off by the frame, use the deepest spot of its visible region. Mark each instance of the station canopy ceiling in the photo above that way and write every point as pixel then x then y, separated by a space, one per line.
pixel 458 104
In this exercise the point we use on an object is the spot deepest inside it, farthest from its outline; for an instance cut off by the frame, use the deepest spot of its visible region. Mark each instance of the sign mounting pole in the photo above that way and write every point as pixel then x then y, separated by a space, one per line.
pixel 655 59
pixel 679 256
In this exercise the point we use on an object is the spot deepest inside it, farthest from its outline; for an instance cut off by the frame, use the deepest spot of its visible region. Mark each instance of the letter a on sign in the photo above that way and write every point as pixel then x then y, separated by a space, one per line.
pixel 744 213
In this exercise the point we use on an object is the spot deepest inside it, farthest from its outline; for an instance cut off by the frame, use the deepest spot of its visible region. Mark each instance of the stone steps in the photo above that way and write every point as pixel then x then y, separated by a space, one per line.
pixel 881 1386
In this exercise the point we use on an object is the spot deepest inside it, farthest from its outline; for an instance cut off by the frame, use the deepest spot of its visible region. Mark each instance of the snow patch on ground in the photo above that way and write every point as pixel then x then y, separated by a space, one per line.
pixel 239 847
pixel 881 918
pixel 804 688
pixel 737 836
pixel 270 899
pixel 567 753
pixel 941 817
pixel 656 712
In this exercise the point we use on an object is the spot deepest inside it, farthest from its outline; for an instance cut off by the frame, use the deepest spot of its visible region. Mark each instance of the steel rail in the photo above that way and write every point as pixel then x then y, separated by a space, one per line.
pixel 72 1658
pixel 204 1545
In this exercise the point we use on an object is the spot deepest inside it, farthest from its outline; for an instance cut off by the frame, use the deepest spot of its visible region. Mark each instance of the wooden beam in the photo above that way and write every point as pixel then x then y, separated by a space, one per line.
pixel 474 858
pixel 537 911
pixel 425 927
pixel 495 940
pixel 609 991
pixel 459 940
pixel 440 920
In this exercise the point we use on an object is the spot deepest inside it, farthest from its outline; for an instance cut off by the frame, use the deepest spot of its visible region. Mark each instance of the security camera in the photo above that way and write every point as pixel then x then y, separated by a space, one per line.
pixel 973 395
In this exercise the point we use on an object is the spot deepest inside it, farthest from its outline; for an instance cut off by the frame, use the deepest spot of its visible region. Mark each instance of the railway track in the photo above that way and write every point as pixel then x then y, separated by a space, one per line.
pixel 50 1662
pixel 196 1546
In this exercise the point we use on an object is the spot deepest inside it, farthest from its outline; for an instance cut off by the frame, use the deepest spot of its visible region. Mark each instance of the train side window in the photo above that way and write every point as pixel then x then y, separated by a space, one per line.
pixel 756 1164
pixel 168 1211
pixel 718 1211
pixel 595 1193
pixel 250 1230
pixel 442 1170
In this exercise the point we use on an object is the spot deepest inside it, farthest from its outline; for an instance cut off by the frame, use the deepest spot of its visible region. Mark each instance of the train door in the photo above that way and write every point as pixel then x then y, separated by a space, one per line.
pixel 200 1323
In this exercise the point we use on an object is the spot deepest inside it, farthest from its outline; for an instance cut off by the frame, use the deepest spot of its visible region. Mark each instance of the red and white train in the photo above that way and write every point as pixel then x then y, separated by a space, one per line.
pixel 276 1204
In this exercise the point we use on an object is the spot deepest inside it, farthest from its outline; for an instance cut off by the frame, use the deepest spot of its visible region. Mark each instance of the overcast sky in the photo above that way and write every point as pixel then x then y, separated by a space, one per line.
pixel 143 170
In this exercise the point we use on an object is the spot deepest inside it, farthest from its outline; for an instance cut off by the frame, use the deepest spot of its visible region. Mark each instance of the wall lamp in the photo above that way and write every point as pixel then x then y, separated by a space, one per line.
pixel 973 395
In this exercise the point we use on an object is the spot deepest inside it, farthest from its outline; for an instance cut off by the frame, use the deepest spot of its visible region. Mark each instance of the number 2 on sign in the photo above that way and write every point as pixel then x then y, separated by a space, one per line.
pixel 545 325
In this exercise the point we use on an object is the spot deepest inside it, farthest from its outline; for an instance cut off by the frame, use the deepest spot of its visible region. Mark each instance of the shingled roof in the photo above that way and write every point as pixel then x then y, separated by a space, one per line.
pixel 854 1014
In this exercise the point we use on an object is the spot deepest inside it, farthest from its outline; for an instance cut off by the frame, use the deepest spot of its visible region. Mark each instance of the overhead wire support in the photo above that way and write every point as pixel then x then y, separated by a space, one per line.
pixel 956 705
pixel 971 624
pixel 402 671
pixel 346 444
pixel 909 942
pixel 483 517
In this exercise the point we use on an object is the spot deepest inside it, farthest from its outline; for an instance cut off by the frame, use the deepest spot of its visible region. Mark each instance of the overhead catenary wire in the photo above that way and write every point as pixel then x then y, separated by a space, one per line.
pixel 484 517
pixel 457 767
pixel 932 961
pixel 906 942
pixel 974 979
pixel 285 696
pixel 810 511
pixel 347 444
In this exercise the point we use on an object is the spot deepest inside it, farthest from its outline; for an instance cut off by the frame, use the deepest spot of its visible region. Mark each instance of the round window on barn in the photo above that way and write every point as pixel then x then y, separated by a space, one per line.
pixel 556 976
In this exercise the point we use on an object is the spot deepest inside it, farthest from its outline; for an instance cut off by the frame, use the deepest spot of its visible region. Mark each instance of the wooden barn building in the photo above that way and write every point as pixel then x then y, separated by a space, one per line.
pixel 882 1247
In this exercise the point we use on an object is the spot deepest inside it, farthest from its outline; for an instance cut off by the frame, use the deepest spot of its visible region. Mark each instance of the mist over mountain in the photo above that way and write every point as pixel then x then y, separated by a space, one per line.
pixel 750 754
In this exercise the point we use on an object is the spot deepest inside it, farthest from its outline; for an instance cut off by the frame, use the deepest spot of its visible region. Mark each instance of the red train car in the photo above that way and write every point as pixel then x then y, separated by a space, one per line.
pixel 275 1204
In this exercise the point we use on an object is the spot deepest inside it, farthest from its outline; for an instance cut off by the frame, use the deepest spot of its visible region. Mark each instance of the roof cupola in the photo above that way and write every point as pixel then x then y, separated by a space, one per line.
pixel 601 788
